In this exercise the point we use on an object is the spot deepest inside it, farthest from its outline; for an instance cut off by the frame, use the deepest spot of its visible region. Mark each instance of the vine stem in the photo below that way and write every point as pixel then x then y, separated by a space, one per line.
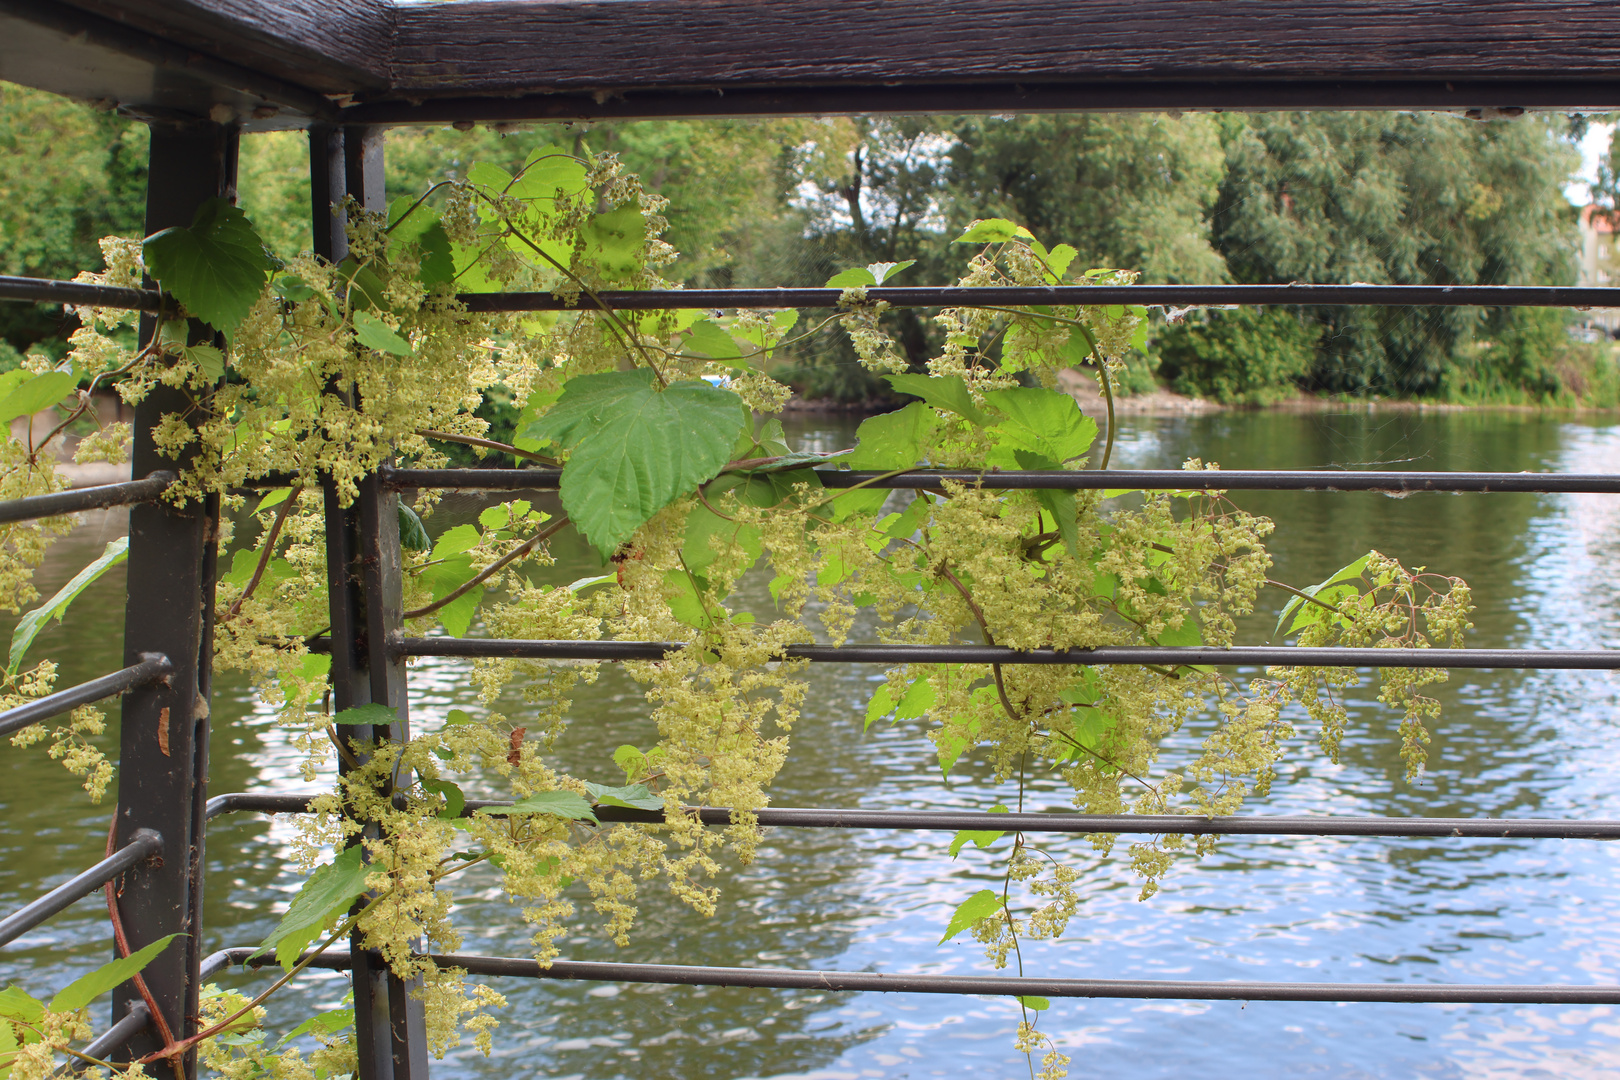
pixel 489 571
pixel 286 508
pixel 488 444
pixel 121 940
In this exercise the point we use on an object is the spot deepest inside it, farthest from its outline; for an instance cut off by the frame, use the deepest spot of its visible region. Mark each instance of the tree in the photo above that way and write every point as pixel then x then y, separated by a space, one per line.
pixel 69 174
pixel 1407 199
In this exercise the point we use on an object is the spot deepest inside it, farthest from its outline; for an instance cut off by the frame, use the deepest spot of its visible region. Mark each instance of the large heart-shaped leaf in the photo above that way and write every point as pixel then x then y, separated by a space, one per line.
pixel 636 448
pixel 216 267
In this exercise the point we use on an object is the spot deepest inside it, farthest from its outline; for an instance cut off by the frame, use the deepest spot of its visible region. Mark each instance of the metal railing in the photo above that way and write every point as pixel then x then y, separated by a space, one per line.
pixel 369 649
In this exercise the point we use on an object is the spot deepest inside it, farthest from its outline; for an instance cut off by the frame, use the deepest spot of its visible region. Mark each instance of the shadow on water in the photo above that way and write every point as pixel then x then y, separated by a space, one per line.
pixel 1544 573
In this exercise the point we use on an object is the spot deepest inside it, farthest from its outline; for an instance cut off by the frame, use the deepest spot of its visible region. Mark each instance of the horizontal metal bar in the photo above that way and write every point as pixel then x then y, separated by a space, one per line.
pixel 1065 295
pixel 143 844
pixel 1162 655
pixel 1084 824
pixel 53 291
pixel 992 985
pixel 152 668
pixel 79 294
pixel 86 498
pixel 115 1037
pixel 1093 480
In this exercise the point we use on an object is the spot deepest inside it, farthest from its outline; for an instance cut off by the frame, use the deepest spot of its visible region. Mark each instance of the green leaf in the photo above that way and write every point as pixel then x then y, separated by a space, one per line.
pixel 209 360
pixel 1343 574
pixel 17 1004
pixel 882 704
pixel 1186 635
pixel 455 541
pixel 946 392
pixel 1030 1001
pixel 853 278
pixel 85 989
pixel 709 338
pixel 216 267
pixel 890 441
pixel 274 499
pixel 458 716
pixel 614 241
pixel 1044 421
pixel 699 550
pixel 547 170
pixel 882 272
pixel 366 289
pixel 424 231
pixel 413 534
pixel 563 804
pixel 292 287
pixel 1061 505
pixel 983 838
pixel 376 334
pixel 325 1024
pixel 981 905
pixel 326 895
pixel 992 231
pixel 634 796
pixel 454 799
pixel 29 626
pixel 444 578
pixel 371 714
pixel 539 401
pixel 636 448
pixel 40 392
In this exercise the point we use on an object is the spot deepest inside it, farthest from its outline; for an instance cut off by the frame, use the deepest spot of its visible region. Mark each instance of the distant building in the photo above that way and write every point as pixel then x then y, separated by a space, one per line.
pixel 1600 265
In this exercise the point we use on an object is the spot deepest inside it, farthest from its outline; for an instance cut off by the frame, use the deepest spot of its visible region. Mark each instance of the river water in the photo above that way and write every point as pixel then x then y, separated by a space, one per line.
pixel 1546 574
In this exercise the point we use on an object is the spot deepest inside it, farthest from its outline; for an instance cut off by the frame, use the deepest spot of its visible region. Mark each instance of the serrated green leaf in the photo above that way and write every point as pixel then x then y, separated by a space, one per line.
pixel 454 799
pixel 458 716
pixel 85 989
pixel 325 1024
pixel 292 287
pixel 709 338
pixel 890 441
pixel 216 267
pixel 633 796
pixel 273 499
pixel 40 392
pixel 703 526
pixel 1343 574
pixel 1043 421
pixel 413 535
pixel 882 271
pixel 991 231
pixel 636 448
pixel 853 278
pixel 371 714
pixel 421 228
pixel 455 541
pixel 29 626
pixel 1030 1001
pixel 563 804
pixel 17 1004
pixel 373 333
pixel 981 905
pixel 946 392
pixel 882 704
pixel 209 360
pixel 325 896
pixel 614 241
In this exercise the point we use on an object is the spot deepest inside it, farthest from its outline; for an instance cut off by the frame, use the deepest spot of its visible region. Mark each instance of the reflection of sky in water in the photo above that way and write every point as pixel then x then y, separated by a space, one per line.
pixel 1306 909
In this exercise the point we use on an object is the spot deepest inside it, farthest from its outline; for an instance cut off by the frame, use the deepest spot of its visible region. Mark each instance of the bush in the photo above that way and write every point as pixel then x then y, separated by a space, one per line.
pixel 1526 356
pixel 1247 356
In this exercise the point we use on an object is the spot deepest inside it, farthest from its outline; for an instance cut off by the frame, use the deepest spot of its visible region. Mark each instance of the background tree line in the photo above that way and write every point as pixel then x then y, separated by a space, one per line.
pixel 1272 197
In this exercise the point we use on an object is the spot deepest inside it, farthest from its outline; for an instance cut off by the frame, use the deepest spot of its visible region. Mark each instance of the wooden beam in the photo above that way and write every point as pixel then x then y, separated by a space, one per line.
pixel 475 47
pixel 329 46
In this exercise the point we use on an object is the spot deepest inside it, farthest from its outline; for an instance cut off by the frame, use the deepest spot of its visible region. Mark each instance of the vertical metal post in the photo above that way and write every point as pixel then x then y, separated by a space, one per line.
pixel 163 753
pixel 363 576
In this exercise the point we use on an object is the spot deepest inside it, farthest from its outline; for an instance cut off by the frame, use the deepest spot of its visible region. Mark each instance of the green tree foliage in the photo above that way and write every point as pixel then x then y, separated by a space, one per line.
pixel 1407 199
pixel 1251 356
pixel 69 175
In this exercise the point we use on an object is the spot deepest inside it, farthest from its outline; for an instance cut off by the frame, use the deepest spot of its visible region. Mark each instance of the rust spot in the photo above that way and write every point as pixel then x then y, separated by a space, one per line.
pixel 514 756
pixel 163 730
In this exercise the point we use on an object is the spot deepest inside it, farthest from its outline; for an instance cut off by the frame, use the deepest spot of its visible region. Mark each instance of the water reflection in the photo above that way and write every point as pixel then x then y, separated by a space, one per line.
pixel 1545 572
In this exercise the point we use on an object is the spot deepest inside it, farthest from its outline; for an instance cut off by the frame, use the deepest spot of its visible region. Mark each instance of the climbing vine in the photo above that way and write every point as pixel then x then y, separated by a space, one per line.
pixel 304 376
